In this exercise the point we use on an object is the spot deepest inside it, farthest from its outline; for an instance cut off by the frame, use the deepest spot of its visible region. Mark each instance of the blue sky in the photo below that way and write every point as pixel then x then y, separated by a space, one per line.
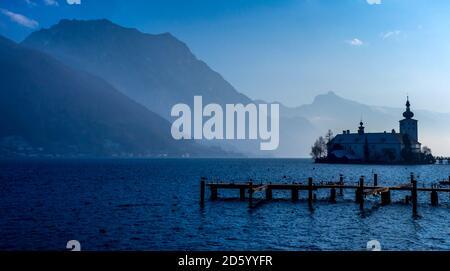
pixel 371 51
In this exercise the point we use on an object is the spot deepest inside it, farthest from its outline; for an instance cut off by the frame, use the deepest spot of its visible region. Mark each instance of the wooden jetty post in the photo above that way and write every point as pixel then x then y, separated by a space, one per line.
pixel 375 179
pixel 214 193
pixel 361 192
pixel 358 192
pixel 414 194
pixel 333 195
pixel 250 193
pixel 242 193
pixel 294 194
pixel 341 183
pixel 202 191
pixel 310 192
pixel 268 193
pixel 434 198
pixel 386 197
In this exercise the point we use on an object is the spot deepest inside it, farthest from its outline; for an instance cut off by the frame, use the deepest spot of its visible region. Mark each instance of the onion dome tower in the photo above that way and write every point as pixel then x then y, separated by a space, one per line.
pixel 361 128
pixel 408 125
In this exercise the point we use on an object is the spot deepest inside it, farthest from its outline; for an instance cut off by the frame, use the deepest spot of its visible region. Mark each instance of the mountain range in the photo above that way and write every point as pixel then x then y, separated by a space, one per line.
pixel 96 88
pixel 50 109
pixel 157 71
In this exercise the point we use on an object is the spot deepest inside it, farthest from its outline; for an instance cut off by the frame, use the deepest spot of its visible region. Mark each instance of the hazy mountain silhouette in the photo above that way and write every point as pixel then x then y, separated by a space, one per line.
pixel 157 71
pixel 48 108
pixel 330 111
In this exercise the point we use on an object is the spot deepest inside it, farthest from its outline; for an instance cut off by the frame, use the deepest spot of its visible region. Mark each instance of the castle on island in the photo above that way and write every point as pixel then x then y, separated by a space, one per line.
pixel 385 147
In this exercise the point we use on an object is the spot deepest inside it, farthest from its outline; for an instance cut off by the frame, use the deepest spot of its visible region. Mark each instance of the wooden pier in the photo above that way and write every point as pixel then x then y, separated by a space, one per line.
pixel 248 189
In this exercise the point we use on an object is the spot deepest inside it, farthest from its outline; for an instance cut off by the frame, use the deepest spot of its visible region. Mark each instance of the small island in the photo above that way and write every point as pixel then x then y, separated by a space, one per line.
pixel 374 148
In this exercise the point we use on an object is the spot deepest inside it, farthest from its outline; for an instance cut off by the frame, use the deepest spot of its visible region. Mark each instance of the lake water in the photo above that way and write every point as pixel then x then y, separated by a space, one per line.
pixel 153 205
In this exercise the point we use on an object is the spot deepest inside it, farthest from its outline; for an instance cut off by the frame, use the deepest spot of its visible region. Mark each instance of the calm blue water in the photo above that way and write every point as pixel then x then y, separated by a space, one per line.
pixel 153 205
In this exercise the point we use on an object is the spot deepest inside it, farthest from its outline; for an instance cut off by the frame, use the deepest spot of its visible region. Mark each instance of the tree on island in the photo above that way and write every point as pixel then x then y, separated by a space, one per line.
pixel 319 149
pixel 329 136
pixel 426 150
pixel 427 155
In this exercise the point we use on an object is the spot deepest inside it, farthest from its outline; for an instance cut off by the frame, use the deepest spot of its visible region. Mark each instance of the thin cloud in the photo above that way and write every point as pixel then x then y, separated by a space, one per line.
pixel 30 3
pixel 20 19
pixel 74 2
pixel 374 2
pixel 355 42
pixel 390 34
pixel 51 3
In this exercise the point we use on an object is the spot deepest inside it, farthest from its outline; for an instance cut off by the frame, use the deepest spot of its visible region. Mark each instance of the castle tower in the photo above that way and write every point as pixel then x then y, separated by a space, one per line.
pixel 408 125
pixel 361 128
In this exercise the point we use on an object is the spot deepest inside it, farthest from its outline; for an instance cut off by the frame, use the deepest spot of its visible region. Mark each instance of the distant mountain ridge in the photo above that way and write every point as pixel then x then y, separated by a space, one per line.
pixel 159 71
pixel 155 70
pixel 50 109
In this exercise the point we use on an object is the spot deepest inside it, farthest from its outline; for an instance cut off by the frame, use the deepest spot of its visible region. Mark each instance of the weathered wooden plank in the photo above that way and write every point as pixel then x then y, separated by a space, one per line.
pixel 376 191
pixel 260 188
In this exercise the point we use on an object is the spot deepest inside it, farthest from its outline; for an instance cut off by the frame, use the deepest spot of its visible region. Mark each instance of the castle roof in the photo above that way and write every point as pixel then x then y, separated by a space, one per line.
pixel 408 114
pixel 375 138
pixel 372 138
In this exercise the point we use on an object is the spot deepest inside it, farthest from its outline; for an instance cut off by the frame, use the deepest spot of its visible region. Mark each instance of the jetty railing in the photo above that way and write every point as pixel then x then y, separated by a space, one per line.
pixel 248 189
